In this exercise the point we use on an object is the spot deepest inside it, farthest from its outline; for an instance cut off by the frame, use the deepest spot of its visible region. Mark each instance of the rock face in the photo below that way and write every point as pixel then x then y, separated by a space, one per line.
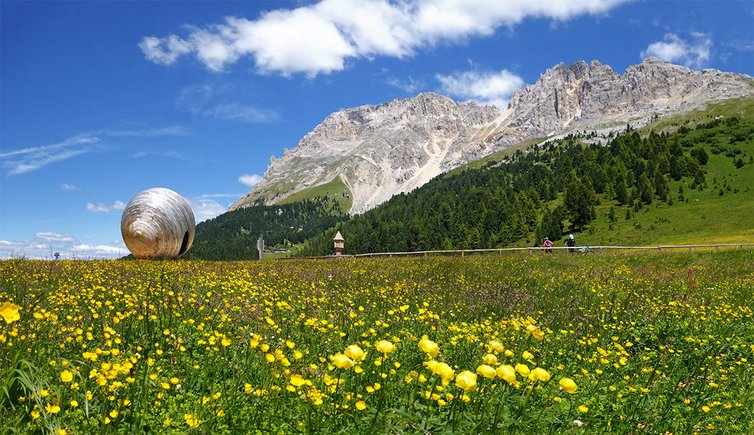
pixel 379 151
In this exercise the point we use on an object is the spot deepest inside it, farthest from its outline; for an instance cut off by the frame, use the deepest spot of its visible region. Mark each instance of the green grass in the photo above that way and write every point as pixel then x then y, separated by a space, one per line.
pixel 652 344
pixel 497 156
pixel 704 216
pixel 335 190
pixel 740 107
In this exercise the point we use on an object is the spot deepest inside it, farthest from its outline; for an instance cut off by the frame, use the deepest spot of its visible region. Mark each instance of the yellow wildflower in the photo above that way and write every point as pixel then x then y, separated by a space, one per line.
pixel 466 381
pixel 506 373
pixel 385 346
pixel 9 311
pixel 568 385
pixel 355 353
pixel 66 376
pixel 191 420
pixel 541 374
pixel 341 361
pixel 429 347
pixel 486 371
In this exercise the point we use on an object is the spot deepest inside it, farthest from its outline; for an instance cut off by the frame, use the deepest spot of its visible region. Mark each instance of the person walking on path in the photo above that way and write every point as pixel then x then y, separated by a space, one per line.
pixel 547 245
pixel 571 243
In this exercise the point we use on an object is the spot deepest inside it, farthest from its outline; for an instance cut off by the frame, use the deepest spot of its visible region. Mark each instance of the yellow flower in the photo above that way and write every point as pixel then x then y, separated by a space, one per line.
pixel 9 311
pixel 52 409
pixel 445 371
pixel 496 346
pixel 568 385
pixel 355 353
pixel 360 405
pixel 297 380
pixel 541 374
pixel 583 409
pixel 486 371
pixel 466 381
pixel 385 346
pixel 522 370
pixel 506 373
pixel 191 420
pixel 114 413
pixel 527 355
pixel 705 408
pixel 490 359
pixel 341 361
pixel 74 404
pixel 62 431
pixel 429 347
pixel 66 376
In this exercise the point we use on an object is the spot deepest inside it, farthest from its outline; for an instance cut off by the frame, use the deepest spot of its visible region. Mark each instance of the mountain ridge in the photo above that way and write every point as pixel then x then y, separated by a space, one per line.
pixel 380 150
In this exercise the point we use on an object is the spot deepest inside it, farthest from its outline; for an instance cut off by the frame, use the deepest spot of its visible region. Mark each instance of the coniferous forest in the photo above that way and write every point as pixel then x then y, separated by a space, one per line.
pixel 233 235
pixel 546 191
pixel 543 192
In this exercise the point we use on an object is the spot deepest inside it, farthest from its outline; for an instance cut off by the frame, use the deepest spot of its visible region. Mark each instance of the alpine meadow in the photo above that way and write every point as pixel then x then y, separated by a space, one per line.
pixel 377 217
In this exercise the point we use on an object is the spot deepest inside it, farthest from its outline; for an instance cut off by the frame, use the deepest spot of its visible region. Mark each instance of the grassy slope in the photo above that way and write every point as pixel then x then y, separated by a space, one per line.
pixel 707 217
pixel 335 189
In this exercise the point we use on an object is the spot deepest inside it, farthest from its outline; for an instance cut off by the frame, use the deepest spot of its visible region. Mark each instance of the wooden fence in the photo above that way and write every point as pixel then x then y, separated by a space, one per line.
pixel 577 250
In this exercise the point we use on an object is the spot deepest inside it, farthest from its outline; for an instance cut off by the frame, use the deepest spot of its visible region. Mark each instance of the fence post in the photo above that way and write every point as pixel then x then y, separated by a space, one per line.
pixel 717 248
pixel 659 249
pixel 462 254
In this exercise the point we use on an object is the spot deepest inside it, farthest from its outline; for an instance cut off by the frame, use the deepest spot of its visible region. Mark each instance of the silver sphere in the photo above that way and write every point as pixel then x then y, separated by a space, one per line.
pixel 158 223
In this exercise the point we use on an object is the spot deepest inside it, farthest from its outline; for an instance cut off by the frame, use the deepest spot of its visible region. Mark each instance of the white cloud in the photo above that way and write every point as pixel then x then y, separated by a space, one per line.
pixel 482 87
pixel 52 237
pixel 320 38
pixel 45 244
pixel 66 186
pixel 235 111
pixel 97 250
pixel 250 179
pixel 408 85
pixel 205 208
pixel 219 102
pixel 164 51
pixel 30 159
pixel 103 208
pixel 694 52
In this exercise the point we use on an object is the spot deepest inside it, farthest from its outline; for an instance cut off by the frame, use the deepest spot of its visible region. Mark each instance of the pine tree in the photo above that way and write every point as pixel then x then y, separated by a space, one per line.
pixel 579 202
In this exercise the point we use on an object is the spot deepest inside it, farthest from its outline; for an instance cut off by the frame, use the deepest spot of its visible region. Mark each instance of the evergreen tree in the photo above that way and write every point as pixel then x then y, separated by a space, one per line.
pixel 579 202
pixel 661 186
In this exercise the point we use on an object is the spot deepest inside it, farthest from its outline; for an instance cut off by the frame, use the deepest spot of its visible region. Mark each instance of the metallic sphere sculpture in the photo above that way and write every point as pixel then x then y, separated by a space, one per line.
pixel 158 223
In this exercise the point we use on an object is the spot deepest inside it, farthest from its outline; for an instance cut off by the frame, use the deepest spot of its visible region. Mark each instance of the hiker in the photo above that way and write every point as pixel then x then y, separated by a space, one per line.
pixel 547 245
pixel 571 243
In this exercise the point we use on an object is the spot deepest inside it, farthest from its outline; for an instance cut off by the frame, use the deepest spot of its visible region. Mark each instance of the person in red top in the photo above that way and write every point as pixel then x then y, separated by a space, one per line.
pixel 547 245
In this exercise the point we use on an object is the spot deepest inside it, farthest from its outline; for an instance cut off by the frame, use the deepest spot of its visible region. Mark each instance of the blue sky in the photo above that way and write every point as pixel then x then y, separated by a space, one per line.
pixel 100 100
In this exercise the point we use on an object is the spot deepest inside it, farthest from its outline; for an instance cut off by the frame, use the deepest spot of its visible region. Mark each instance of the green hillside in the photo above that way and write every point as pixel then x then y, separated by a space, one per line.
pixel 686 179
pixel 233 235
pixel 335 190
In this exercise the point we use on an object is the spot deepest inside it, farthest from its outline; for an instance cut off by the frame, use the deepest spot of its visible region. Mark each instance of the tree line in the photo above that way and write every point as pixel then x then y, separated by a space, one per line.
pixel 542 192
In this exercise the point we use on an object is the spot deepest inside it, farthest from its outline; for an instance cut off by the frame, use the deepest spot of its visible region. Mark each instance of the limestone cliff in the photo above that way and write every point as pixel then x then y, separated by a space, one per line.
pixel 379 151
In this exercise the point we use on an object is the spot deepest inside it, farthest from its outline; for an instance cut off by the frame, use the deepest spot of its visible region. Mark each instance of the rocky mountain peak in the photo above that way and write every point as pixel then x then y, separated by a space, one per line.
pixel 381 150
